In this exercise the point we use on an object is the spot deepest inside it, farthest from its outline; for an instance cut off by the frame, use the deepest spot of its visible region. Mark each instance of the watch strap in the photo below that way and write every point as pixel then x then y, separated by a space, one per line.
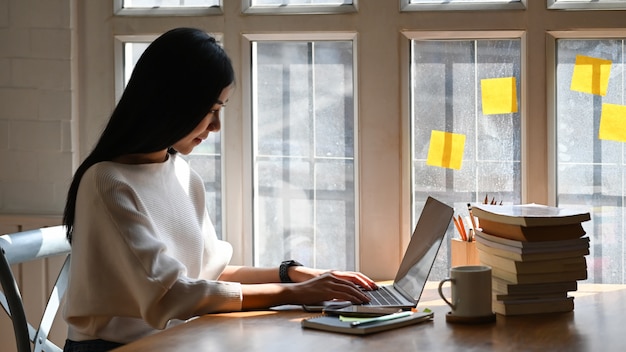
pixel 283 270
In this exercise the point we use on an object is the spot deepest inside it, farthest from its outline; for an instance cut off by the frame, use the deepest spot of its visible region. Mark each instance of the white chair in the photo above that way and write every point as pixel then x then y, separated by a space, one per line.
pixel 22 247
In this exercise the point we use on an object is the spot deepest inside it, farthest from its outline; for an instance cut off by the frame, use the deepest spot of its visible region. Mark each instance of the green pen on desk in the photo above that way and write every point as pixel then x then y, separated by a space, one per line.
pixel 381 318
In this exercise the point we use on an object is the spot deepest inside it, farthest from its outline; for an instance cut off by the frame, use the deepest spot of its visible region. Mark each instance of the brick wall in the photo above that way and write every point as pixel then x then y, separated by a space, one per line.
pixel 36 93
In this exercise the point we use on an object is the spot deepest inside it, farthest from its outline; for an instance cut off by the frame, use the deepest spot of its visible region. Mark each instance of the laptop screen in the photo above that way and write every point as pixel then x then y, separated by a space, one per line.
pixel 423 247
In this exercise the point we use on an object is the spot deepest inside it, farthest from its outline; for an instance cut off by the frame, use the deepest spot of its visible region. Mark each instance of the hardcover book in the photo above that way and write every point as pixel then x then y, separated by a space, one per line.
pixel 533 267
pixel 539 278
pixel 518 255
pixel 529 215
pixel 534 233
pixel 548 305
pixel 534 246
pixel 531 247
pixel 533 296
pixel 500 286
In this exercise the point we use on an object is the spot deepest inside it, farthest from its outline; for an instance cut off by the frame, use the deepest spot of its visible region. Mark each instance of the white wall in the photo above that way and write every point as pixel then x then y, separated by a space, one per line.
pixel 35 105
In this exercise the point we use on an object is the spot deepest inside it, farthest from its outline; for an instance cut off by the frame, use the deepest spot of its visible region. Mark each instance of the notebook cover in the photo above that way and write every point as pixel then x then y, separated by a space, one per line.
pixel 334 324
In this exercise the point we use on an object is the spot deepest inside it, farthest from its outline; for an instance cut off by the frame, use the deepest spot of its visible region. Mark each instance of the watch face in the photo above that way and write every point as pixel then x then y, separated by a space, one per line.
pixel 291 263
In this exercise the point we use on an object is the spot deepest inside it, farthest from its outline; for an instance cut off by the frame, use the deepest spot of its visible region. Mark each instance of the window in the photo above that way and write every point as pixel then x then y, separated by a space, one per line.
pixel 299 2
pixel 586 4
pixel 298 6
pixel 304 152
pixel 361 176
pixel 205 159
pixel 455 5
pixel 166 7
pixel 449 95
pixel 591 170
pixel 168 3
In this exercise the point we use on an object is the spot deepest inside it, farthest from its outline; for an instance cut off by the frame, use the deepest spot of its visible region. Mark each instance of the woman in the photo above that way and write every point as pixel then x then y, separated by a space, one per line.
pixel 144 251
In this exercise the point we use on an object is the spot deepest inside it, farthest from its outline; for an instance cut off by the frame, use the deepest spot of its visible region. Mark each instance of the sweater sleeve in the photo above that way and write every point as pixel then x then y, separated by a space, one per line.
pixel 121 268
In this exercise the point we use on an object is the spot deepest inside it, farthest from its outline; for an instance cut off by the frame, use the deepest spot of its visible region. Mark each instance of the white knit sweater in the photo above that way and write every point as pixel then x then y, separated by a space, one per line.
pixel 144 252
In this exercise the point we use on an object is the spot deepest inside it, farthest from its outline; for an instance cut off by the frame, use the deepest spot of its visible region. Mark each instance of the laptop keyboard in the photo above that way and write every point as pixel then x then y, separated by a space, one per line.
pixel 381 297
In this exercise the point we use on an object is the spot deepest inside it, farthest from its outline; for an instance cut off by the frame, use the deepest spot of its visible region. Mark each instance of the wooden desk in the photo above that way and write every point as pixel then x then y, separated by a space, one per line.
pixel 598 323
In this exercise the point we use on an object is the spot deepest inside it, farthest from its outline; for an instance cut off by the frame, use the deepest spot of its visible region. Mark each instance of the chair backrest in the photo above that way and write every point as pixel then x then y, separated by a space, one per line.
pixel 22 247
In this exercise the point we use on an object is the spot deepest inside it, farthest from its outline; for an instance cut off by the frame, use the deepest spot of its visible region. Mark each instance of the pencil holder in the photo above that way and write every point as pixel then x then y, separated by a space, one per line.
pixel 463 253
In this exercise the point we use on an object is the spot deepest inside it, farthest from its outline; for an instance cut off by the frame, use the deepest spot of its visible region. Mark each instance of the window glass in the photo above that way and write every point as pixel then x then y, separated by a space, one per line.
pixel 298 6
pixel 587 4
pixel 304 162
pixel 205 159
pixel 591 170
pixel 461 1
pixel 450 95
pixel 443 5
pixel 300 2
pixel 148 4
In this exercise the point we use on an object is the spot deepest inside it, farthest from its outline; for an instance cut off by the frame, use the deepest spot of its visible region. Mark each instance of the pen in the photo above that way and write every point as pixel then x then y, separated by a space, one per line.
pixel 381 318
pixel 469 209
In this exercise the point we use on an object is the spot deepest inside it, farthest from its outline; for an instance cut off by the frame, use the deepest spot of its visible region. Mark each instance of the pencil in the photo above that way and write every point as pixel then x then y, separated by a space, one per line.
pixel 458 228
pixel 462 226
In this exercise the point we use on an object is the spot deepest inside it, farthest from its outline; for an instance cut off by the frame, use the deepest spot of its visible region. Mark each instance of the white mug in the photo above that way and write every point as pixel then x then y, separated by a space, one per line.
pixel 471 291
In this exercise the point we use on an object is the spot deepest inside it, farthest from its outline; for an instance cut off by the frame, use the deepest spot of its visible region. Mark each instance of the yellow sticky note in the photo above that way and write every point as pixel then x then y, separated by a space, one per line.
pixel 613 123
pixel 591 75
pixel 499 95
pixel 446 149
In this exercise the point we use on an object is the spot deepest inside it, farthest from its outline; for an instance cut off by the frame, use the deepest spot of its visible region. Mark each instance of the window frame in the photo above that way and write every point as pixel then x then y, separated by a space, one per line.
pixel 119 10
pixel 406 6
pixel 407 124
pixel 586 5
pixel 248 144
pixel 551 58
pixel 384 203
pixel 248 9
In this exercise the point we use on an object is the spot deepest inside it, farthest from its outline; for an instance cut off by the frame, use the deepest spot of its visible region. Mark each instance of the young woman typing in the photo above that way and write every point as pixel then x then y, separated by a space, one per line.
pixel 145 255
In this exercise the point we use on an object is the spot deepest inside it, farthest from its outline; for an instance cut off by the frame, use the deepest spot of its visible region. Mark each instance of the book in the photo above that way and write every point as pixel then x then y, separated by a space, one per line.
pixel 518 255
pixel 548 305
pixel 529 215
pixel 504 287
pixel 519 297
pixel 539 278
pixel 526 246
pixel 533 267
pixel 534 233
pixel 530 247
pixel 334 324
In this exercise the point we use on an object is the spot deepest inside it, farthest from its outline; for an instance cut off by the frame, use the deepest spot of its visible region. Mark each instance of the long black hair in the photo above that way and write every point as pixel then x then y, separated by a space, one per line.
pixel 174 85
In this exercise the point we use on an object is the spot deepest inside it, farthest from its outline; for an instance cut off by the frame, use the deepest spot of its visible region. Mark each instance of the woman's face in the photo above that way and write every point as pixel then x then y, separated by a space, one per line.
pixel 210 123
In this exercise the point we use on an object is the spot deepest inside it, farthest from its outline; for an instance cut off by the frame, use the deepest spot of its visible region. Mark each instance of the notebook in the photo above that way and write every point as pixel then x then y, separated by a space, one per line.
pixel 335 324
pixel 417 262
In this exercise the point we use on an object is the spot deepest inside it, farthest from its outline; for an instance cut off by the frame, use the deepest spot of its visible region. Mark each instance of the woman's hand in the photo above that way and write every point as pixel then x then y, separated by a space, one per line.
pixel 330 286
pixel 302 273
pixel 311 286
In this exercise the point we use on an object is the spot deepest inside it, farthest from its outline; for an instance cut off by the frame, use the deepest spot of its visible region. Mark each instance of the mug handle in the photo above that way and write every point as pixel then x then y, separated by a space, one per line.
pixel 441 292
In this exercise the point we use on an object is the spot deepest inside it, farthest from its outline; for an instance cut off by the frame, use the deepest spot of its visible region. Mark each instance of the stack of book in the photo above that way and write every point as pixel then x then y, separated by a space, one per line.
pixel 537 255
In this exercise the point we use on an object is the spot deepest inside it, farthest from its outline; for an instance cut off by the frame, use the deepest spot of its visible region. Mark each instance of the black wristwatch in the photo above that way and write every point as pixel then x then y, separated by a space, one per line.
pixel 283 270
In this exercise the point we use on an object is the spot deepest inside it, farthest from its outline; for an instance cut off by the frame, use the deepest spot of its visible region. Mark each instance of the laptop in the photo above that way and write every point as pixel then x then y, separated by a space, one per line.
pixel 416 264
